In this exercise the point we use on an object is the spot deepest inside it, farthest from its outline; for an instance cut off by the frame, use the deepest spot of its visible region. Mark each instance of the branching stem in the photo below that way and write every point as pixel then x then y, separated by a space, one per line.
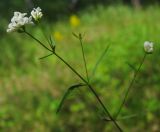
pixel 86 82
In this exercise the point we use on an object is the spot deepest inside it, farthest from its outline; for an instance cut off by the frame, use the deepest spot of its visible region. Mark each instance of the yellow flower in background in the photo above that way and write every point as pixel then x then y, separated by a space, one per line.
pixel 74 21
pixel 57 36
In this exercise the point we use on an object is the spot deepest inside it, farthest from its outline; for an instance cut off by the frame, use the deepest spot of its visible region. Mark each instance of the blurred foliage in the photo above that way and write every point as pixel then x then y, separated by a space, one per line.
pixel 58 8
pixel 31 89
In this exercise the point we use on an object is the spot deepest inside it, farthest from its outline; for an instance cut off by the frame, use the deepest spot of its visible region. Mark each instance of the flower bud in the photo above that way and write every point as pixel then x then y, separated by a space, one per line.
pixel 36 13
pixel 148 47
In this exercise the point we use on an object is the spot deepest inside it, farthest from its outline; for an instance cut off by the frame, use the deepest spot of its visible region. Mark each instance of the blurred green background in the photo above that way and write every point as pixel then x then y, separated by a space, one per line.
pixel 31 89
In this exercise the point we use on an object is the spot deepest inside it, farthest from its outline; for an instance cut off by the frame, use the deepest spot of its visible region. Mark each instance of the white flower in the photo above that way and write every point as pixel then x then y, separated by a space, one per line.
pixel 18 21
pixel 36 13
pixel 148 47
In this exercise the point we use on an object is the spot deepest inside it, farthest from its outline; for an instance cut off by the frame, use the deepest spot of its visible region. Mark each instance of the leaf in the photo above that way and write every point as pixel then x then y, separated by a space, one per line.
pixel 45 56
pixel 79 36
pixel 69 90
pixel 127 117
pixel 121 118
pixel 52 43
pixel 99 60
pixel 45 36
pixel 75 35
pixel 50 39
pixel 106 119
pixel 143 113
pixel 131 66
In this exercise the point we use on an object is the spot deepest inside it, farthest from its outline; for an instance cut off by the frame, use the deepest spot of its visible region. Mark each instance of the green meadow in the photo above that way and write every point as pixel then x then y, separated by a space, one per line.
pixel 31 89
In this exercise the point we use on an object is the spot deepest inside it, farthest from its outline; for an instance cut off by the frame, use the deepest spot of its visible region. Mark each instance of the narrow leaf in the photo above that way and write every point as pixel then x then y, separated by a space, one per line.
pixel 99 60
pixel 70 89
pixel 45 56
pixel 52 43
pixel 132 116
pixel 47 39
pixel 105 119
pixel 127 117
pixel 122 118
pixel 131 66
pixel 75 35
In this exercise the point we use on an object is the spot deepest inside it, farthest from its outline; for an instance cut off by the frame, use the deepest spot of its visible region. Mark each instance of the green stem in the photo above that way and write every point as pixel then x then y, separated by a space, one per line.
pixel 130 86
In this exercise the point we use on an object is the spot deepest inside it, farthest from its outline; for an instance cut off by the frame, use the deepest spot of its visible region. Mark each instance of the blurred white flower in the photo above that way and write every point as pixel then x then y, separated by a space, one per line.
pixel 36 13
pixel 148 47
pixel 18 21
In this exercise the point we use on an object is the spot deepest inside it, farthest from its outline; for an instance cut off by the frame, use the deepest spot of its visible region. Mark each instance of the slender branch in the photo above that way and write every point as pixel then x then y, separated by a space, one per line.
pixel 84 59
pixel 130 86
pixel 93 91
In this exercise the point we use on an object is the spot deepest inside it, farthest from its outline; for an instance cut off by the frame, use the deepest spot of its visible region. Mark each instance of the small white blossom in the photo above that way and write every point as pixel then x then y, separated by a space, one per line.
pixel 148 47
pixel 18 21
pixel 36 13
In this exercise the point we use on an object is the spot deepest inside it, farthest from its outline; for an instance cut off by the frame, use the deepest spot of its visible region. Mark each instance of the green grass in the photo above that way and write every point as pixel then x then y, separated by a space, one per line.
pixel 31 89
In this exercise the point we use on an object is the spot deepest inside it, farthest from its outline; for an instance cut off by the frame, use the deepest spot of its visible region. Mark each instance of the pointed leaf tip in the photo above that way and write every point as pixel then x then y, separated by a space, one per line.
pixel 66 95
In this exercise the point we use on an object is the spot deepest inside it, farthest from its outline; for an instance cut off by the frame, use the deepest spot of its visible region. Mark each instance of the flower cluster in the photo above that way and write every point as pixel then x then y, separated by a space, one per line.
pixel 148 47
pixel 19 20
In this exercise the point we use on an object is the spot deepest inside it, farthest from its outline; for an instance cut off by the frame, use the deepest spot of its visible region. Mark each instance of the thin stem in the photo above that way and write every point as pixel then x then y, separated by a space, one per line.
pixel 84 59
pixel 130 86
pixel 93 91
pixel 37 40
